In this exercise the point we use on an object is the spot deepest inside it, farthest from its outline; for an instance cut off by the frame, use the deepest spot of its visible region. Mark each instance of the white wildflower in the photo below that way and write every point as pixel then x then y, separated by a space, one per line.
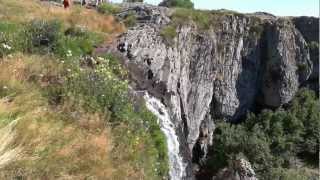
pixel 69 70
pixel 100 58
pixel 6 46
pixel 69 53
pixel 5 87
pixel 62 62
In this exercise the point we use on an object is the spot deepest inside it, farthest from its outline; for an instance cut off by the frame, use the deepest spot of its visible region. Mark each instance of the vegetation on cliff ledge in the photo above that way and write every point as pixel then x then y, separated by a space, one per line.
pixel 205 20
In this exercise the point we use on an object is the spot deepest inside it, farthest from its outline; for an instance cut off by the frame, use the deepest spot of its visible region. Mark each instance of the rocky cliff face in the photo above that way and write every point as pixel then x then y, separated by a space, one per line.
pixel 239 63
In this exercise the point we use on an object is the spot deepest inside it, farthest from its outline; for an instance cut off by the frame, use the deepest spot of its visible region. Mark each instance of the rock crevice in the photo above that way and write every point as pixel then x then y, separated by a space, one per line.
pixel 221 73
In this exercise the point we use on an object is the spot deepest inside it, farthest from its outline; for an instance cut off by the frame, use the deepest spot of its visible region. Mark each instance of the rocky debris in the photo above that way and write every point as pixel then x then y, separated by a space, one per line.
pixel 221 73
pixel 240 170
pixel 264 15
pixel 144 13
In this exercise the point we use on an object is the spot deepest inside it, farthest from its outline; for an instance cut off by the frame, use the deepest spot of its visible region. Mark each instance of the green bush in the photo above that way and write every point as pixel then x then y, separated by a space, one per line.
pixel 100 89
pixel 42 36
pixel 203 19
pixel 169 33
pixel 10 38
pixel 291 174
pixel 272 139
pixel 178 3
pixel 46 37
pixel 94 84
pixel 77 42
pixel 130 20
pixel 108 9
pixel 313 45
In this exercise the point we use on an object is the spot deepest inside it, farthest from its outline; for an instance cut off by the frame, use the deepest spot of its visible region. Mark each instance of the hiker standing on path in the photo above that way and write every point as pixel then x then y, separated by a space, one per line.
pixel 66 4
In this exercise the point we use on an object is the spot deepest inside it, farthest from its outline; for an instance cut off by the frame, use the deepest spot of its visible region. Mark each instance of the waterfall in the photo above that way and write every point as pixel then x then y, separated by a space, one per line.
pixel 177 167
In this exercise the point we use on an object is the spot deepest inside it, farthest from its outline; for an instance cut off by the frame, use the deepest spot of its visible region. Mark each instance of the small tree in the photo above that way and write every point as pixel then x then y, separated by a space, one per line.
pixel 177 3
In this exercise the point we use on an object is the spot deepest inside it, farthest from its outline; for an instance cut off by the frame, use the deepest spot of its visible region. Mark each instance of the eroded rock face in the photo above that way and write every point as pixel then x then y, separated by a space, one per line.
pixel 220 73
pixel 286 53
pixel 309 28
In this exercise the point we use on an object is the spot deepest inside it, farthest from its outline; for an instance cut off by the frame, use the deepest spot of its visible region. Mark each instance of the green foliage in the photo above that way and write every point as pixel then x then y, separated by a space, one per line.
pixel 47 37
pixel 272 139
pixel 130 20
pixel 100 89
pixel 313 45
pixel 302 67
pixel 179 3
pixel 201 18
pixel 96 85
pixel 169 33
pixel 256 29
pixel 42 36
pixel 108 9
pixel 77 42
pixel 292 174
pixel 10 39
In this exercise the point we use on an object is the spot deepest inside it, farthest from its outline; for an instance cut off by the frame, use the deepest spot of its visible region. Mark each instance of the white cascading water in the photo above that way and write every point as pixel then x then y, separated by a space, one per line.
pixel 177 167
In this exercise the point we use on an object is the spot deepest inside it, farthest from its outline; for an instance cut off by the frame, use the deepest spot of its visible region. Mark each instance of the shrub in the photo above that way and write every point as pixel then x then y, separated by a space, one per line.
pixel 10 38
pixel 313 45
pixel 108 9
pixel 42 36
pixel 256 29
pixel 77 42
pixel 178 3
pixel 202 19
pixel 273 138
pixel 100 89
pixel 130 20
pixel 169 33
pixel 291 174
pixel 302 67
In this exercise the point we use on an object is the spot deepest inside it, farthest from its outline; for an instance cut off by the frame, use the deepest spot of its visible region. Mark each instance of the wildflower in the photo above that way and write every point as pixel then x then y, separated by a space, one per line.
pixel 6 46
pixel 100 58
pixel 69 53
pixel 103 95
pixel 41 75
pixel 62 62
pixel 69 70
pixel 5 87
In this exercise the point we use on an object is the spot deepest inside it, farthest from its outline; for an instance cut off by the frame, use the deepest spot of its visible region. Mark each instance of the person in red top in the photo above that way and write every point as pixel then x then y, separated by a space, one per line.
pixel 66 4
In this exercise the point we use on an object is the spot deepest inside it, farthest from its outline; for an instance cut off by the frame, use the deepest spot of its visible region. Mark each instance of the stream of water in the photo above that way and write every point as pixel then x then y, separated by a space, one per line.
pixel 177 167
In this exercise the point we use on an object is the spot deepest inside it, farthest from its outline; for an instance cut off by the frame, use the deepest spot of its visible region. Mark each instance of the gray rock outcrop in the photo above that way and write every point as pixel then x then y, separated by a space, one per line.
pixel 220 73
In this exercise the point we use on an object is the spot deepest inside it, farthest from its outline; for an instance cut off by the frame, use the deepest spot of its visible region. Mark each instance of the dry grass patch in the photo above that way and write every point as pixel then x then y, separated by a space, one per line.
pixel 26 10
